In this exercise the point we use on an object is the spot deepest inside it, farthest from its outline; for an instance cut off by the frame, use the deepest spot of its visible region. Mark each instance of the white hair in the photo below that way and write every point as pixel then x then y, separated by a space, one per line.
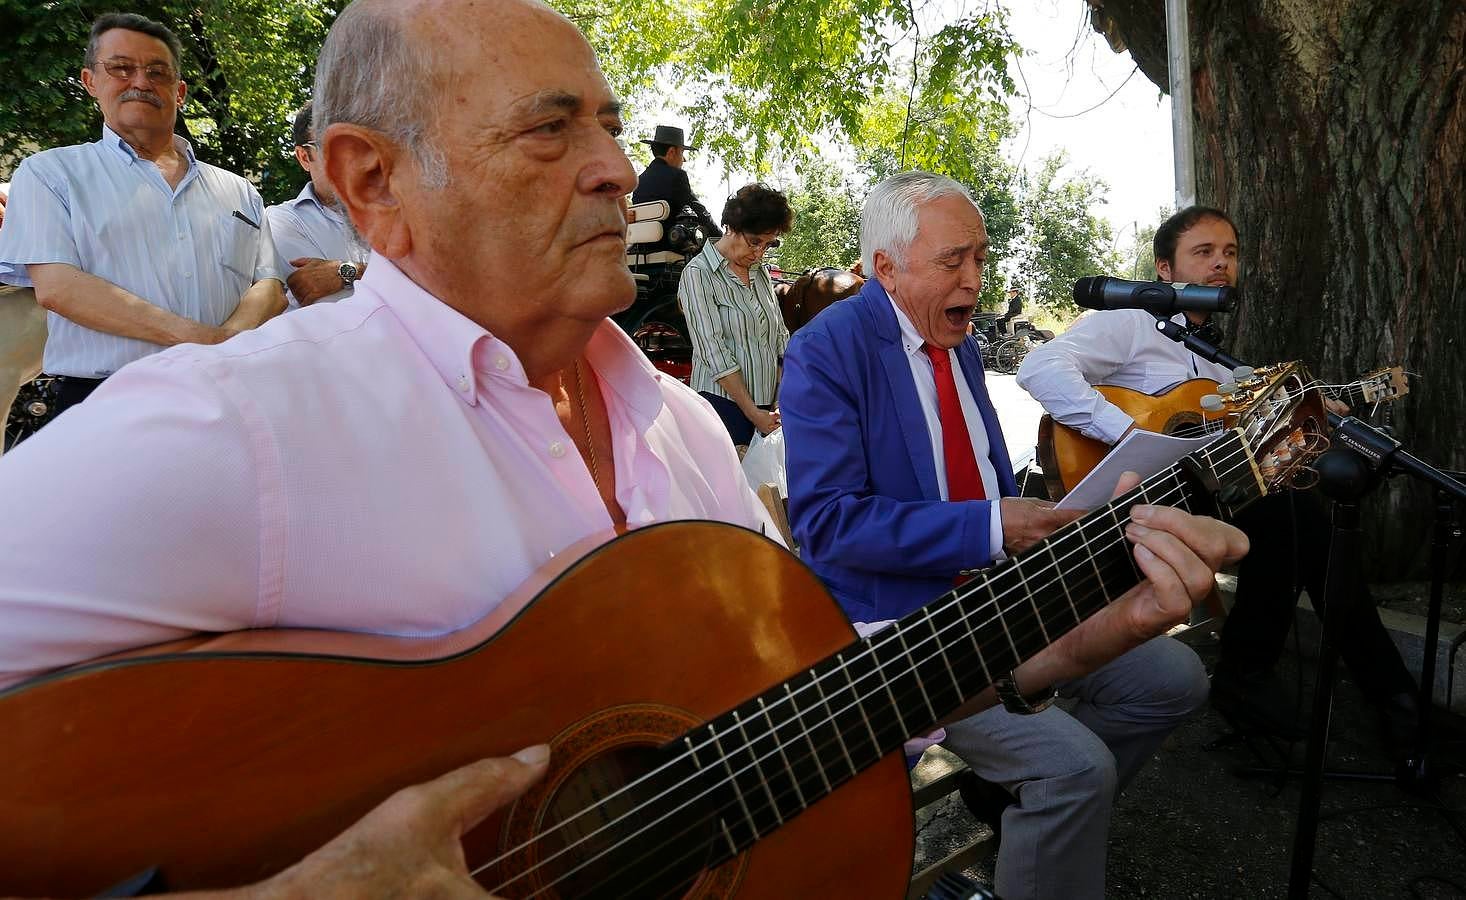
pixel 369 74
pixel 888 219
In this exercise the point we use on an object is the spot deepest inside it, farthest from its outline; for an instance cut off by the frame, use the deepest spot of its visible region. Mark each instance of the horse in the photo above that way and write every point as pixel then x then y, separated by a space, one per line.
pixel 22 338
pixel 812 292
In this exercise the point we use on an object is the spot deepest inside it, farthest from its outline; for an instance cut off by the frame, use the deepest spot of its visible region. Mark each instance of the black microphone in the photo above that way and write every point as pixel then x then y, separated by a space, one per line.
pixel 1103 292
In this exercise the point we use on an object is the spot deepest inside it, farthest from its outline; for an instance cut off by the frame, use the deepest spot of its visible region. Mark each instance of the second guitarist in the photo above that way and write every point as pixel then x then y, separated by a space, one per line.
pixel 1289 533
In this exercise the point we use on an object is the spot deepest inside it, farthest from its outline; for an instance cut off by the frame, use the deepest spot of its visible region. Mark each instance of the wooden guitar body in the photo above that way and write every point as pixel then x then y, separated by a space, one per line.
pixel 1067 456
pixel 225 764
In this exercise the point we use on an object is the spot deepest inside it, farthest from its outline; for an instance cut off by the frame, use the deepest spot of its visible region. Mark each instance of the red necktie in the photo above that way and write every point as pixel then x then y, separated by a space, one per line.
pixel 964 481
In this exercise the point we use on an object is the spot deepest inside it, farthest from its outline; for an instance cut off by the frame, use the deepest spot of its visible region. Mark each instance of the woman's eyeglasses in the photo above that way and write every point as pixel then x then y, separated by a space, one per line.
pixel 759 245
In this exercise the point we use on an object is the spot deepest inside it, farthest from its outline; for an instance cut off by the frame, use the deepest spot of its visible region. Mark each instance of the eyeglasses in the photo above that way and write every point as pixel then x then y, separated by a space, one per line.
pixel 158 75
pixel 759 246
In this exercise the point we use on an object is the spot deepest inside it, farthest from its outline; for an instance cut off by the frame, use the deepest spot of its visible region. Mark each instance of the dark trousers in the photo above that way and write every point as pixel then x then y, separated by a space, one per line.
pixel 740 429
pixel 1290 551
pixel 67 391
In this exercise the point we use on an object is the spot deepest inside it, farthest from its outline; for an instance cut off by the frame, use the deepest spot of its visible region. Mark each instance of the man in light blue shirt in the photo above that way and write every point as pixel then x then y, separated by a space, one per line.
pixel 315 247
pixel 131 243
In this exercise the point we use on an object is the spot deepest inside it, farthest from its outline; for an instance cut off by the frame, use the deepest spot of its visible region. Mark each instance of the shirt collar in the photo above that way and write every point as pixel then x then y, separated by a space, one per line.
pixel 719 262
pixel 114 142
pixel 911 339
pixel 714 258
pixel 308 195
pixel 461 350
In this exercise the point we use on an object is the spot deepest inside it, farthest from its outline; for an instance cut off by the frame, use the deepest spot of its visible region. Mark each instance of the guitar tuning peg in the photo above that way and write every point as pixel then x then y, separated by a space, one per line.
pixel 1213 403
pixel 1229 387
pixel 1242 373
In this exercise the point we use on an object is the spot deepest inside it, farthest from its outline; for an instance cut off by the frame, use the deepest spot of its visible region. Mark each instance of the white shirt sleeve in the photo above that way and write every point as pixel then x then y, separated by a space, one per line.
pixel 37 226
pixel 1060 374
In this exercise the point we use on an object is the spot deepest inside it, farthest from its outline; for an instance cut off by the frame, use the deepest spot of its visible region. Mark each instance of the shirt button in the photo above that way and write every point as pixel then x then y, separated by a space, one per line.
pixel 501 363
pixel 187 274
pixel 646 515
pixel 463 383
pixel 557 449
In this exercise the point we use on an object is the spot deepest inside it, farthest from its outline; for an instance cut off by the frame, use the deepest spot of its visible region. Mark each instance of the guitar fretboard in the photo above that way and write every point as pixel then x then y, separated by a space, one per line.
pixel 760 764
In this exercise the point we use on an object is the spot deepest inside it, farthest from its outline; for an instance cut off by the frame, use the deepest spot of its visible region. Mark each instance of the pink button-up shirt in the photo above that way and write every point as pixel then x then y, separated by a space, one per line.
pixel 378 465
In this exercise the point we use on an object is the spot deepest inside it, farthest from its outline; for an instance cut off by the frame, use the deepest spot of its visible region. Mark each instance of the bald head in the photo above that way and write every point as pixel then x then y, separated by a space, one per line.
pixel 474 143
pixel 387 64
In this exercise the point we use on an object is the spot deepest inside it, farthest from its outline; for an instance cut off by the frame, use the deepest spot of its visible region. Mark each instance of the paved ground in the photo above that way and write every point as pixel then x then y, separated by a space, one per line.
pixel 1189 828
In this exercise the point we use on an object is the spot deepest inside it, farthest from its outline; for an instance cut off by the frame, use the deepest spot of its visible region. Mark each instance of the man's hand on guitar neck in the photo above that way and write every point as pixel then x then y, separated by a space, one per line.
pixel 1179 554
pixel 411 844
pixel 1027 521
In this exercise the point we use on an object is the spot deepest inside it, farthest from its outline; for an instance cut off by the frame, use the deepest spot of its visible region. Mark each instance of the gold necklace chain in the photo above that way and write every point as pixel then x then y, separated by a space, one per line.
pixel 590 444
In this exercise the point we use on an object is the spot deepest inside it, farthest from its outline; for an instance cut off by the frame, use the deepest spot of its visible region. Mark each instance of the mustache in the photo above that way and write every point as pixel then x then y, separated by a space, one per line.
pixel 145 96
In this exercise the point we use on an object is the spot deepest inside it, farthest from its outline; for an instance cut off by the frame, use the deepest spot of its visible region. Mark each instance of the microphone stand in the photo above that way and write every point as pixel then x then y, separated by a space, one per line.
pixel 1204 349
pixel 1360 457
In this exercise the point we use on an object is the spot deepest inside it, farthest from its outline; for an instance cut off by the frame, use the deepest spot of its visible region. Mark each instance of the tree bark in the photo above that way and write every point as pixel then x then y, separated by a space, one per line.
pixel 1334 133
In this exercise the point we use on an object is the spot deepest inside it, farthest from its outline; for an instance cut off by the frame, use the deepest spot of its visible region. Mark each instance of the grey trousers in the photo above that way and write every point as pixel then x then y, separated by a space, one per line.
pixel 1066 768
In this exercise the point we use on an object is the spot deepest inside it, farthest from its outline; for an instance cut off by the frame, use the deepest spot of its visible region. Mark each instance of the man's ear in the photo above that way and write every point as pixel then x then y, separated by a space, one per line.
pixel 367 170
pixel 87 82
pixel 1163 269
pixel 885 271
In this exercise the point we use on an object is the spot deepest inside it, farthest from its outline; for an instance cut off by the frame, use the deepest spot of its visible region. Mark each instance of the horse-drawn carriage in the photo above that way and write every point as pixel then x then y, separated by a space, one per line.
pixel 658 245
pixel 1004 341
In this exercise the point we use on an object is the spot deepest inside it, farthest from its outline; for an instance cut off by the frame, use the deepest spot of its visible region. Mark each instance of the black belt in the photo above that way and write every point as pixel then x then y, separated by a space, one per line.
pixel 74 379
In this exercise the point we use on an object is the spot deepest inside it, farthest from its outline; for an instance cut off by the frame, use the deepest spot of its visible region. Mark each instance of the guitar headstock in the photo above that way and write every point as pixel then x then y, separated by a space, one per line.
pixel 1277 425
pixel 1382 386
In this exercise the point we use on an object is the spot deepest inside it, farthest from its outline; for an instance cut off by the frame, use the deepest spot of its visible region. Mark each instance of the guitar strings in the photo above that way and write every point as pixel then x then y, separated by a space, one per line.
pixel 779 749
pixel 839 691
pixel 1125 562
pixel 879 670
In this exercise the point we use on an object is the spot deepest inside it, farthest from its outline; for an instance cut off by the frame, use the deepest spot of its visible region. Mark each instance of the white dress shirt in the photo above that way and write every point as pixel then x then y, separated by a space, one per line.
pixel 103 209
pixel 376 466
pixel 926 389
pixel 1112 347
pixel 306 227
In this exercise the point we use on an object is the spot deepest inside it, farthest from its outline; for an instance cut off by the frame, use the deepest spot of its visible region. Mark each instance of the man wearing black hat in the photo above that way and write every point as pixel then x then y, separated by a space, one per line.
pixel 665 180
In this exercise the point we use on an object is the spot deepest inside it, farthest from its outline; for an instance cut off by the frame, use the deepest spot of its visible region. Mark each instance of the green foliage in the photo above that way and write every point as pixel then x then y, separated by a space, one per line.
pixel 826 228
pixel 248 65
pixel 765 80
pixel 1062 239
pixel 1138 262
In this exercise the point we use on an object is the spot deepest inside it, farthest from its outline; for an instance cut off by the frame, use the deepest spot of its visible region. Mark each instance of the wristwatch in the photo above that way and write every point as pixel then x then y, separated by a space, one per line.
pixel 348 274
pixel 1018 704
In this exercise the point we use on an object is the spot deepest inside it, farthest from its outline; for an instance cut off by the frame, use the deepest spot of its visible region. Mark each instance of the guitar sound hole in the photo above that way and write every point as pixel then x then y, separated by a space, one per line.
pixel 652 839
pixel 1185 424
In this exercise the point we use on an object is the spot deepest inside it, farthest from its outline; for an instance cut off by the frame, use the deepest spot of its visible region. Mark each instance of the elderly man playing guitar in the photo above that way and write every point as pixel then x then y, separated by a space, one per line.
pixel 413 466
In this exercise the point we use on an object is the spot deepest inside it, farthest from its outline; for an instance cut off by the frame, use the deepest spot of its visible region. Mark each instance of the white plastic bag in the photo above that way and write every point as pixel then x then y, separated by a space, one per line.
pixel 764 461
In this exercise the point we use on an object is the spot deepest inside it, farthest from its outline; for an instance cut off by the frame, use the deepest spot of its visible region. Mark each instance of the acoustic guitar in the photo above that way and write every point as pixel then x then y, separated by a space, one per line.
pixel 717 728
pixel 1067 456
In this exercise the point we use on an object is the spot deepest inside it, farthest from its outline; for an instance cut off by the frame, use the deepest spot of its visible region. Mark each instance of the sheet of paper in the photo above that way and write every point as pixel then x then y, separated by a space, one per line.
pixel 1145 452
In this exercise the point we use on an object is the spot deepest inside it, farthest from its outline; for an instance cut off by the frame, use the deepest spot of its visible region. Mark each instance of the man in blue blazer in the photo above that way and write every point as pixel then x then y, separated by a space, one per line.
pixel 877 452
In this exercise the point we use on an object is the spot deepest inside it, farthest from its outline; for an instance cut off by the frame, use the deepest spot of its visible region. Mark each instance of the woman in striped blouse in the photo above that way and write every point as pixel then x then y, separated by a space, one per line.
pixel 738 334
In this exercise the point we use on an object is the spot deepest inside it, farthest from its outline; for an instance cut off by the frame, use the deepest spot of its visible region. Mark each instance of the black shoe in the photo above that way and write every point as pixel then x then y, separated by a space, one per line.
pixel 985 800
pixel 1256 702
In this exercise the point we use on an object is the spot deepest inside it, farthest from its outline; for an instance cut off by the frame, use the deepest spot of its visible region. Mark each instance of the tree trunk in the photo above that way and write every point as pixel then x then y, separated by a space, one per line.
pixel 1334 133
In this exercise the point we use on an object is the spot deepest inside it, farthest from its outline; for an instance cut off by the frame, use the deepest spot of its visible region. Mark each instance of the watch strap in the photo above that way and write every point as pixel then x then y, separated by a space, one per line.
pixel 1014 702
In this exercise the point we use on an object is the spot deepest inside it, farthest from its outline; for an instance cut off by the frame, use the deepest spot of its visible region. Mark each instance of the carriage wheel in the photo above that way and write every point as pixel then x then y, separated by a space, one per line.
pixel 1009 354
